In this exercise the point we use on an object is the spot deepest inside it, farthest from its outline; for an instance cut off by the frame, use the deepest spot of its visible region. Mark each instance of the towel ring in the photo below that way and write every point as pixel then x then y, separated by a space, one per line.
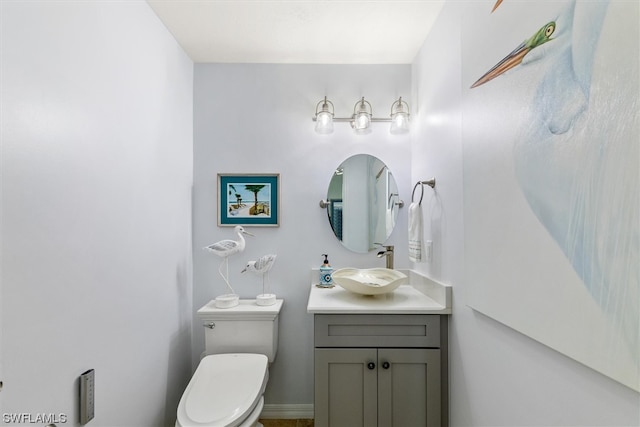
pixel 430 182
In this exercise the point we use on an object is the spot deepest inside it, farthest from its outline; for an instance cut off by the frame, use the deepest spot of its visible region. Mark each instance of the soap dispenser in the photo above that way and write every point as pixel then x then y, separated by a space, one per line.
pixel 325 273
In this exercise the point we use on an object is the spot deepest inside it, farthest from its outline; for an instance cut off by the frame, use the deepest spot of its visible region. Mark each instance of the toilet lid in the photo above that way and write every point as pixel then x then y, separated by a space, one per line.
pixel 223 390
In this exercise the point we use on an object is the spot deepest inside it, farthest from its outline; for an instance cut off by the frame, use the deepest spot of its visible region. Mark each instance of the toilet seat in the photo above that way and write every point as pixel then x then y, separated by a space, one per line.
pixel 223 391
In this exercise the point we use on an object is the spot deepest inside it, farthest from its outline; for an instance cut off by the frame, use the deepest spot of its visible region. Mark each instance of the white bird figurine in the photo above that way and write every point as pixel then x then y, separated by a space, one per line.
pixel 226 248
pixel 262 266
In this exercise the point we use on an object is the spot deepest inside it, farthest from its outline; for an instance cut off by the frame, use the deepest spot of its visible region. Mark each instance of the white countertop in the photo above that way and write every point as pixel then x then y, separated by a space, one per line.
pixel 435 298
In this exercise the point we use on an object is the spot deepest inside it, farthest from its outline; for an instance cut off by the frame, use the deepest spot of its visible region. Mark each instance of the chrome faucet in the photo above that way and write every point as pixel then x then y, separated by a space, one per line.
pixel 388 252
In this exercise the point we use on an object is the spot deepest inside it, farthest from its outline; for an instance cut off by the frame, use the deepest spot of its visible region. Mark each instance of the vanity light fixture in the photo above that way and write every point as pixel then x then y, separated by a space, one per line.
pixel 362 117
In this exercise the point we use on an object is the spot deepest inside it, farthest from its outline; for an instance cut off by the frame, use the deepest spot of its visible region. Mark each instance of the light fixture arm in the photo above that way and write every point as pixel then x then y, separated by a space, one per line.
pixel 323 107
pixel 362 106
pixel 399 106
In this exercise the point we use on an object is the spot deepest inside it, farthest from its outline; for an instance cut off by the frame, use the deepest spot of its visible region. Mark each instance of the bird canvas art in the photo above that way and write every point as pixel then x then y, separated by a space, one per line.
pixel 516 57
pixel 551 176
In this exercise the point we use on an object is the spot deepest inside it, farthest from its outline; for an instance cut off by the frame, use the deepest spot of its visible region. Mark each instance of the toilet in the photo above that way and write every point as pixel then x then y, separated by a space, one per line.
pixel 227 388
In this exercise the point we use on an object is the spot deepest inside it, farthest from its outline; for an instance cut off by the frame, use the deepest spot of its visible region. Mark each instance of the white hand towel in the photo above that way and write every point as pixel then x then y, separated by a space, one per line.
pixel 416 247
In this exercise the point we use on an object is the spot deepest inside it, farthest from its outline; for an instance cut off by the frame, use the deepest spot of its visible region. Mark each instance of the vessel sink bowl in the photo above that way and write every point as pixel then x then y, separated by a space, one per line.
pixel 369 281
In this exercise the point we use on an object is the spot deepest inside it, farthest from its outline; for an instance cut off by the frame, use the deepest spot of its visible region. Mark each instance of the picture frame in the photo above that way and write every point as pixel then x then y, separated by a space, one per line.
pixel 249 199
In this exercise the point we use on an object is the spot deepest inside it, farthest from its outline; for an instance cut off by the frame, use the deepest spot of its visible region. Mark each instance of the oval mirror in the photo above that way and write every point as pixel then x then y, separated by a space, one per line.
pixel 363 202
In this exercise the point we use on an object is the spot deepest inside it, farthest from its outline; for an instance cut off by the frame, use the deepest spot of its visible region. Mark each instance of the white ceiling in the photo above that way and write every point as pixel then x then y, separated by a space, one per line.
pixel 299 31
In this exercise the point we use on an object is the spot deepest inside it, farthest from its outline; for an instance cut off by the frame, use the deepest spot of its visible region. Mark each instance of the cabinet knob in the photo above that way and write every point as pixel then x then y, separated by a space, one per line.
pixel 385 365
pixel 371 365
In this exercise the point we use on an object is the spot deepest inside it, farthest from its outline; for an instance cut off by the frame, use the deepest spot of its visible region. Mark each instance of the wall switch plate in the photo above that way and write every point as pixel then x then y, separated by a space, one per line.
pixel 87 391
pixel 429 250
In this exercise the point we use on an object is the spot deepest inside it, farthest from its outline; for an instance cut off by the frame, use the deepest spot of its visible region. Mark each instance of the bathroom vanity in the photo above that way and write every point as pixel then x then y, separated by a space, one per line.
pixel 381 360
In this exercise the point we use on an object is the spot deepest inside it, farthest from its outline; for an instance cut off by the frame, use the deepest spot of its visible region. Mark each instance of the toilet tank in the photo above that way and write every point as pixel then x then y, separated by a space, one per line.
pixel 245 328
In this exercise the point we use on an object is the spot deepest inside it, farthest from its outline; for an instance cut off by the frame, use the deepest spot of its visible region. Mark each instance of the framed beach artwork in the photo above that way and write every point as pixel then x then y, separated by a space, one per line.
pixel 248 199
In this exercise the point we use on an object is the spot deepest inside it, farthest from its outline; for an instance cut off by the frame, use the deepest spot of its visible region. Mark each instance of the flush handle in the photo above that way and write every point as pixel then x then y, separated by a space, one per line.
pixel 371 365
pixel 210 325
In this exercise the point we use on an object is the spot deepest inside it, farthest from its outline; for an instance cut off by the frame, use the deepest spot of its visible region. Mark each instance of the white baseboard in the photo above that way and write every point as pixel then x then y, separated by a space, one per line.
pixel 287 412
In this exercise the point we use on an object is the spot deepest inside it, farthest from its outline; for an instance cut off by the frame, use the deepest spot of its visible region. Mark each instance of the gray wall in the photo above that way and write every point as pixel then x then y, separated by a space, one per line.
pixel 96 211
pixel 257 118
pixel 499 377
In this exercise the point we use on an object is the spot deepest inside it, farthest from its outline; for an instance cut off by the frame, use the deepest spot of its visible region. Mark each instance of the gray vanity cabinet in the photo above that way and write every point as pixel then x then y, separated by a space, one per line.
pixel 378 370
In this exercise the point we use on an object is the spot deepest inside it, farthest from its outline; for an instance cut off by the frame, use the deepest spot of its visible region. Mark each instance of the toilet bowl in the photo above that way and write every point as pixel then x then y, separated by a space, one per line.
pixel 227 388
pixel 225 391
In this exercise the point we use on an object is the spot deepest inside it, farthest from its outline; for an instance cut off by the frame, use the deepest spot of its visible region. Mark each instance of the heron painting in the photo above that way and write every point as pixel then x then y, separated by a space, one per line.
pixel 551 176
pixel 516 57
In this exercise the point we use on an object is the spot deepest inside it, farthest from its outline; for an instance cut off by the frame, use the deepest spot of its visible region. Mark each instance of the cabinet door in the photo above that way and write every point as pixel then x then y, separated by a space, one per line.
pixel 346 389
pixel 408 388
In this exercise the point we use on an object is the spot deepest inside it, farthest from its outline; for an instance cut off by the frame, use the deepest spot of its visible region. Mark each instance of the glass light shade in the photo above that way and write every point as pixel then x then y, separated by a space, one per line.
pixel 399 117
pixel 324 117
pixel 324 122
pixel 362 117
pixel 362 123
pixel 399 123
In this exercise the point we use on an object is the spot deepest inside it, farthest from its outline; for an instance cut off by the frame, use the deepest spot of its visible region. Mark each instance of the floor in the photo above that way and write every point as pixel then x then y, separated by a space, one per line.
pixel 287 423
